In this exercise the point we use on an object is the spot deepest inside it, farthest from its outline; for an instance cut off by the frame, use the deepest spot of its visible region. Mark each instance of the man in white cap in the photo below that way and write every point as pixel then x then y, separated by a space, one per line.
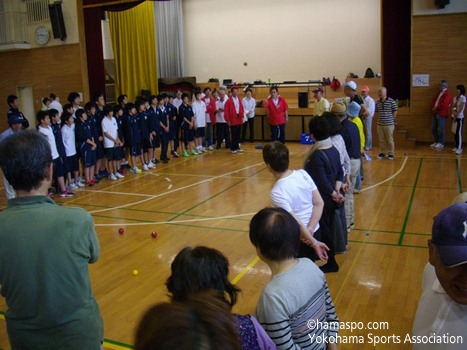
pixel 350 90
pixel 441 319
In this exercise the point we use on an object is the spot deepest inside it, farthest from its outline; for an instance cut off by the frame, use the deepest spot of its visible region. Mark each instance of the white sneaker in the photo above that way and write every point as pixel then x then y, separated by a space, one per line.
pixel 112 177
pixel 145 167
pixel 434 144
pixel 439 146
pixel 234 152
pixel 240 150
pixel 118 175
pixel 211 148
pixel 135 170
pixel 459 151
pixel 150 165
pixel 73 185
pixel 79 184
pixel 454 150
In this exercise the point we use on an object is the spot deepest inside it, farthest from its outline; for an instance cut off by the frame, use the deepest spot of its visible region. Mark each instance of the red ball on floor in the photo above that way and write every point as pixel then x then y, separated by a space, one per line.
pixel 154 234
pixel 121 231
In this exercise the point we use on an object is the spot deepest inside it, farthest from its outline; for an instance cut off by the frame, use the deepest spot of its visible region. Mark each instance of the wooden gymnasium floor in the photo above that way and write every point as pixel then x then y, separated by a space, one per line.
pixel 209 199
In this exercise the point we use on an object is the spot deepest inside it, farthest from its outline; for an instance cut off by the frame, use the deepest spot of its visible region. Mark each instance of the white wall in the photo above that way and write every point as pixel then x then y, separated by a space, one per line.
pixel 281 39
pixel 427 7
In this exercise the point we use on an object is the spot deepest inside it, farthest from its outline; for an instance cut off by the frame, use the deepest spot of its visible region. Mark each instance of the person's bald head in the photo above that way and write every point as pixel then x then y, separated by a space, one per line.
pixel 382 92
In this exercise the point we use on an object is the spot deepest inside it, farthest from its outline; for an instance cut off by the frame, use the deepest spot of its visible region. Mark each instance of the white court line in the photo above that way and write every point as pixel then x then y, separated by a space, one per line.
pixel 176 222
pixel 389 178
pixel 172 191
pixel 170 186
pixel 124 193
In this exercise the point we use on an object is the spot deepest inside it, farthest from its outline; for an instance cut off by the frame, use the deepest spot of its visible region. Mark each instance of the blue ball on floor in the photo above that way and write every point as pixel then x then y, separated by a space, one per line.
pixel 259 147
pixel 367 234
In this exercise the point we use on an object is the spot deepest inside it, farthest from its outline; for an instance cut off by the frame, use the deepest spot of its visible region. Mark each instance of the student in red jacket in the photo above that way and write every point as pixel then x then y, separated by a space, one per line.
pixel 210 118
pixel 277 115
pixel 440 106
pixel 233 114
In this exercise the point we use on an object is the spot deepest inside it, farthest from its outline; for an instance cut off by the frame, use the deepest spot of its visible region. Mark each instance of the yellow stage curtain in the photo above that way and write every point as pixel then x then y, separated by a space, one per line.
pixel 134 46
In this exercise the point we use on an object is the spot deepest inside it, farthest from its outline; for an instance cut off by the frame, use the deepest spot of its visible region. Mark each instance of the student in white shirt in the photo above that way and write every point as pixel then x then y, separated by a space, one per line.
pixel 249 105
pixel 111 142
pixel 54 104
pixel 43 119
pixel 222 127
pixel 458 107
pixel 442 309
pixel 199 111
pixel 296 192
pixel 69 141
pixel 369 104
pixel 178 99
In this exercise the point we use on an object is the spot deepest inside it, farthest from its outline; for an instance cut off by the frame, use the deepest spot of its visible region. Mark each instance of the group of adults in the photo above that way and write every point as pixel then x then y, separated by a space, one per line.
pixel 443 106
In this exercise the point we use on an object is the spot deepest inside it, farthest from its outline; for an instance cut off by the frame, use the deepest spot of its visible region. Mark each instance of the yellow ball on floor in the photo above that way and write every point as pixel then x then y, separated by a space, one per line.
pixel 135 272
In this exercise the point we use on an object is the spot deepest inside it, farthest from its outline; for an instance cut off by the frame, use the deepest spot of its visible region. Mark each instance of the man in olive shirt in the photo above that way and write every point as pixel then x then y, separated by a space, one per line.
pixel 44 255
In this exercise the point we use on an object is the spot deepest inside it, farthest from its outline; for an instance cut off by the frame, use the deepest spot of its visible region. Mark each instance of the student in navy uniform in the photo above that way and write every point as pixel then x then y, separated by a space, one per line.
pixel 134 136
pixel 90 109
pixel 85 145
pixel 13 103
pixel 119 153
pixel 99 117
pixel 146 136
pixel 164 127
pixel 186 116
pixel 172 112
pixel 56 128
pixel 154 126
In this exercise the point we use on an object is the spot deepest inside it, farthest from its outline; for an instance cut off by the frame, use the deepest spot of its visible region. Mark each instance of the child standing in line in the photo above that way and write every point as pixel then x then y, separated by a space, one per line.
pixel 199 110
pixel 58 167
pixel 186 115
pixel 68 138
pixel 90 109
pixel 55 120
pixel 118 115
pixel 111 142
pixel 234 114
pixel 74 100
pixel 86 146
pixel 172 112
pixel 154 126
pixel 134 136
pixel 98 118
pixel 164 128
pixel 221 123
pixel 145 134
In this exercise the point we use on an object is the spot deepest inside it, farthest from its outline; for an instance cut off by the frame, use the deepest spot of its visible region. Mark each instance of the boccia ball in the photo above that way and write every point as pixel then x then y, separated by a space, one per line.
pixel 135 272
pixel 121 231
pixel 153 234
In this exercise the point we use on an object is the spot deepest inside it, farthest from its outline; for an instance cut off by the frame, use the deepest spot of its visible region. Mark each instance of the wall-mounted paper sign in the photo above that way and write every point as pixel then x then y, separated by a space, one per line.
pixel 420 79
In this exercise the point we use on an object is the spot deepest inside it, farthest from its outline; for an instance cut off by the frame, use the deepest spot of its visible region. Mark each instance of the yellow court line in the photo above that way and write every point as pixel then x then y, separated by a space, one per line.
pixel 245 270
pixel 108 345
pixel 361 247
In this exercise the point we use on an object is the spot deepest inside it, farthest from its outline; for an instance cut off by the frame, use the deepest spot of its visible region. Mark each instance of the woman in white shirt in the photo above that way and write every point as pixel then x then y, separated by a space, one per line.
pixel 249 105
pixel 458 117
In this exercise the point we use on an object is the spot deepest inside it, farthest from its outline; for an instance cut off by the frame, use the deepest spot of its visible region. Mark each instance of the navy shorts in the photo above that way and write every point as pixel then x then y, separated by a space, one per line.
pixel 59 167
pixel 173 131
pixel 201 132
pixel 119 154
pixel 99 150
pixel 88 158
pixel 188 134
pixel 110 153
pixel 73 163
pixel 147 144
pixel 135 149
